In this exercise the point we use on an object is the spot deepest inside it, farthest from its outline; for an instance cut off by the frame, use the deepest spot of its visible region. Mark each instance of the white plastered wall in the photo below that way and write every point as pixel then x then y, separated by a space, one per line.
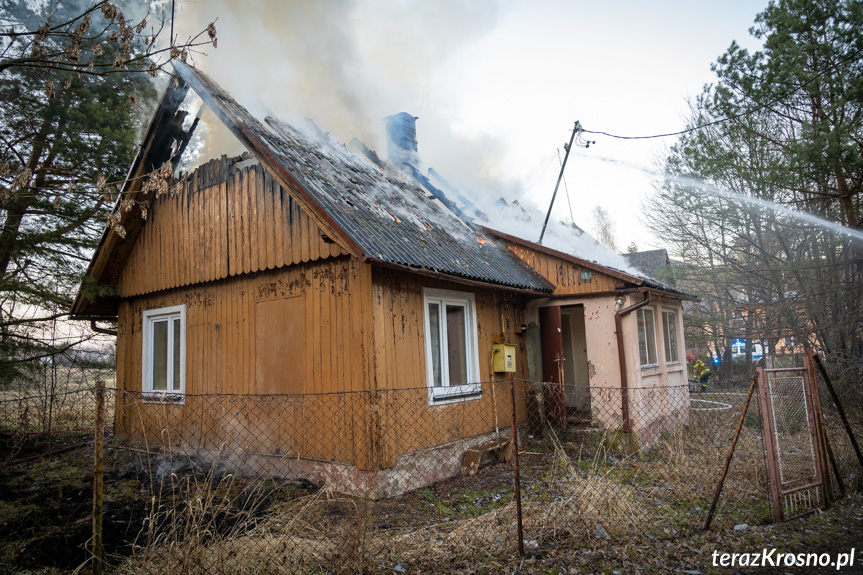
pixel 658 396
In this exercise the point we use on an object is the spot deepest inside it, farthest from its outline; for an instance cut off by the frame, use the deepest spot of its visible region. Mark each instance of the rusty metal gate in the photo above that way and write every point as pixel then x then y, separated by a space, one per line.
pixel 794 441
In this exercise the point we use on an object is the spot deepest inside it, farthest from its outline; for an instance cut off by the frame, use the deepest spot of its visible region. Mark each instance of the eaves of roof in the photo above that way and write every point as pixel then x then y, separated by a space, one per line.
pixel 617 274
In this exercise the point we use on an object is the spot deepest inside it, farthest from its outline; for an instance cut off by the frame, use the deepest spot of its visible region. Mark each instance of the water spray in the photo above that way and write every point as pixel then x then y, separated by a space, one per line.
pixel 801 216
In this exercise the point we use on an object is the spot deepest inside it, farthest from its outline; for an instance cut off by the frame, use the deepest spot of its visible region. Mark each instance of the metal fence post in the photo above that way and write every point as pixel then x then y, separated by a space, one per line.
pixel 730 454
pixel 516 472
pixel 98 449
pixel 835 397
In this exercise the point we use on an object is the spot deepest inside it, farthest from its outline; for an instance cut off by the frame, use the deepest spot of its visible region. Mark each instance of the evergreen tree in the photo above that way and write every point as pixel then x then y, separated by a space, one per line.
pixel 75 89
pixel 783 125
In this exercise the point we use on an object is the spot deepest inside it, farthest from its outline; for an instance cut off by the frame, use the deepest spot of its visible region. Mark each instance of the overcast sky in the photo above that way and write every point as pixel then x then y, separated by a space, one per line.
pixel 496 85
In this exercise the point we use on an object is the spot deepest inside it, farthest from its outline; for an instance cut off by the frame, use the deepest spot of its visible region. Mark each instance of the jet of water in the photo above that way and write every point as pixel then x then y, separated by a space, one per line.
pixel 709 189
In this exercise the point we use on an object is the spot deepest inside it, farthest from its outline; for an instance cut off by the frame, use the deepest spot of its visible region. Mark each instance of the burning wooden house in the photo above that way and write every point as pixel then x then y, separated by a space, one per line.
pixel 305 272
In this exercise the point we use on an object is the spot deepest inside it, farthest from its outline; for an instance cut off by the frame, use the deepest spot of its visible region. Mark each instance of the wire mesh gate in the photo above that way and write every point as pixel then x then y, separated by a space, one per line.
pixel 794 441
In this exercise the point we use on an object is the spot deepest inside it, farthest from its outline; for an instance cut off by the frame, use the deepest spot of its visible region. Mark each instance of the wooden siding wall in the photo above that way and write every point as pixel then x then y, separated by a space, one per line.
pixel 327 353
pixel 566 276
pixel 410 423
pixel 355 327
pixel 224 222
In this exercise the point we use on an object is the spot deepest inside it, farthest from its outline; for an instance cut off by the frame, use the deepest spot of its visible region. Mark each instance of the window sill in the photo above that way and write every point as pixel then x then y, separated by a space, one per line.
pixel 164 398
pixel 454 395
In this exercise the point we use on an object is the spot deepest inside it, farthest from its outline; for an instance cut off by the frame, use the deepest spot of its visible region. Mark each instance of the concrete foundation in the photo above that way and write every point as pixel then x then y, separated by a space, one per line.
pixel 412 470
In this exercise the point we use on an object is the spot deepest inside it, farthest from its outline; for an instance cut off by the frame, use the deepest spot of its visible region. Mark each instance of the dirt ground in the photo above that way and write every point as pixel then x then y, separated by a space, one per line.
pixel 46 515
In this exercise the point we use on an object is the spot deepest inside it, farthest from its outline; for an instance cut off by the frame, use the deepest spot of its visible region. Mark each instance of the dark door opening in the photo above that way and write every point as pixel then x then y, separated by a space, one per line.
pixel 551 341
pixel 575 370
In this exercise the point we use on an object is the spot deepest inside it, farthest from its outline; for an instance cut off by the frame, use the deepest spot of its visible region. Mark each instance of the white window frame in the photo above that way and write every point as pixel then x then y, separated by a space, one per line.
pixel 447 393
pixel 672 349
pixel 150 317
pixel 640 314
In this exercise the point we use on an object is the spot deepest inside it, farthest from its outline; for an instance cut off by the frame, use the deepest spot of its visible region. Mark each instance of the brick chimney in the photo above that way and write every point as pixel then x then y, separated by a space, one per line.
pixel 402 139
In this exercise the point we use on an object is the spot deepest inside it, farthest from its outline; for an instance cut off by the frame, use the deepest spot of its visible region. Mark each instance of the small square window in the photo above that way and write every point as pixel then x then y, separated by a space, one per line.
pixel 452 363
pixel 164 353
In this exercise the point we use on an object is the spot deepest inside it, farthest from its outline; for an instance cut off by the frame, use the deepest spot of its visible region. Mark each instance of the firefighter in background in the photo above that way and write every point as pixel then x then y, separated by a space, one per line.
pixel 700 372
pixel 703 377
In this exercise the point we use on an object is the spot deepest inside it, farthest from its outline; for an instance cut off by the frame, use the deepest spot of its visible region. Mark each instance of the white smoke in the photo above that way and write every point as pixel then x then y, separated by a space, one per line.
pixel 344 64
pixel 347 64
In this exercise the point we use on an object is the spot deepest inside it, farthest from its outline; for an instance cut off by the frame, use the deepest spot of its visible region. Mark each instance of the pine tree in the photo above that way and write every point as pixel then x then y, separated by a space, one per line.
pixel 783 125
pixel 76 86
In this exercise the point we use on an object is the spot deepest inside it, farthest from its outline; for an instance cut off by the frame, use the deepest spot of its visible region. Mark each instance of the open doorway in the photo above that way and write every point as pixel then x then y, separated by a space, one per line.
pixel 575 369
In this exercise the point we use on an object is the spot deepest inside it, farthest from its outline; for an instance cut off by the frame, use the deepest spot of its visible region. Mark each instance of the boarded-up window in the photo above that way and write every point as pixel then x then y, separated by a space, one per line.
pixel 279 345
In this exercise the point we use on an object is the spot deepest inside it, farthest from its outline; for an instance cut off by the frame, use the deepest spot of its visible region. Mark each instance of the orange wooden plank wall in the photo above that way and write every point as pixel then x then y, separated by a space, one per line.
pixel 243 224
pixel 406 420
pixel 330 301
pixel 566 276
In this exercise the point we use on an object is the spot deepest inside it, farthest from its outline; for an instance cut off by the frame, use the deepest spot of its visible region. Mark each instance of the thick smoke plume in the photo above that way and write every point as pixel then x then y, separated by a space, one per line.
pixel 347 64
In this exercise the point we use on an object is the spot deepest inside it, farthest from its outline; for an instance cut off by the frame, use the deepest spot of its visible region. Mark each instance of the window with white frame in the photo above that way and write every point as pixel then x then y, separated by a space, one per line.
pixel 452 360
pixel 669 333
pixel 646 337
pixel 164 365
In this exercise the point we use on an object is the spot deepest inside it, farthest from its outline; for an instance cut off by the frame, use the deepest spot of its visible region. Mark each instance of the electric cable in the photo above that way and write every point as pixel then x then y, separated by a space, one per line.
pixel 541 172
pixel 735 116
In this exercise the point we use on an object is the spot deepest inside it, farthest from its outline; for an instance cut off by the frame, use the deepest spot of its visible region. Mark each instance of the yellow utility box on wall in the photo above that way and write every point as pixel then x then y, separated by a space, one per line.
pixel 503 358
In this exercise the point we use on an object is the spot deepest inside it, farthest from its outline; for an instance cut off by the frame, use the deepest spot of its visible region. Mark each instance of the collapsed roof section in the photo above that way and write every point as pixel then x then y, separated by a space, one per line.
pixel 374 212
pixel 98 295
pixel 377 214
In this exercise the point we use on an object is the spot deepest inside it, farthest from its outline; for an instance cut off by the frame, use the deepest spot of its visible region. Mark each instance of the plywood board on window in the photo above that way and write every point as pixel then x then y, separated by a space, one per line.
pixel 279 344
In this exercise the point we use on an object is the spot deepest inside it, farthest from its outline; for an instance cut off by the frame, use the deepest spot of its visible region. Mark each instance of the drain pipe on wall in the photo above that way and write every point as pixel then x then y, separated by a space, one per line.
pixel 618 327
pixel 98 329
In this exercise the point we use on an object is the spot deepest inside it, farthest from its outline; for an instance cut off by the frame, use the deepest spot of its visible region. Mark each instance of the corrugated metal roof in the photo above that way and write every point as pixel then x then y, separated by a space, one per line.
pixel 383 212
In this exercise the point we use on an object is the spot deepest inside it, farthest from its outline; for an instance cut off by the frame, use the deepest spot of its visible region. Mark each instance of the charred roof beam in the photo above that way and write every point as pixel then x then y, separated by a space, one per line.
pixel 437 193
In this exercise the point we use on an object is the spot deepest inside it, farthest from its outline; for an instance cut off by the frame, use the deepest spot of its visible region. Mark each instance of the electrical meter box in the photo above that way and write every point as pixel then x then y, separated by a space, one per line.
pixel 503 358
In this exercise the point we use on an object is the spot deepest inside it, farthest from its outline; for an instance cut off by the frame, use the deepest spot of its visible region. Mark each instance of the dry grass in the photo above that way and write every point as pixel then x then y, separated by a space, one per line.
pixel 583 494
pixel 211 527
pixel 213 521
pixel 55 399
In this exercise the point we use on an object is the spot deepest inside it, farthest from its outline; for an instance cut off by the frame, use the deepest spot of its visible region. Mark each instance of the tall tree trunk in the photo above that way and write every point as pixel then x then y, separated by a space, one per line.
pixel 18 209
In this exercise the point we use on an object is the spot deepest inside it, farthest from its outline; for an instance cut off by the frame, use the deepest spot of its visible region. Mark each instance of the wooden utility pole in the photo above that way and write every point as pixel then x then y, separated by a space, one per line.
pixel 575 130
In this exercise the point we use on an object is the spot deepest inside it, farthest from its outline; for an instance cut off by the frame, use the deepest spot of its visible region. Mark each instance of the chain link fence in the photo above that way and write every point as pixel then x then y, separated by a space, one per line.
pixel 54 400
pixel 397 478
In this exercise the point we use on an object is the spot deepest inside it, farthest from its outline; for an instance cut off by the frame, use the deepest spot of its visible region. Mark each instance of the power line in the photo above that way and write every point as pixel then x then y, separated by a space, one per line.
pixel 541 171
pixel 735 116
